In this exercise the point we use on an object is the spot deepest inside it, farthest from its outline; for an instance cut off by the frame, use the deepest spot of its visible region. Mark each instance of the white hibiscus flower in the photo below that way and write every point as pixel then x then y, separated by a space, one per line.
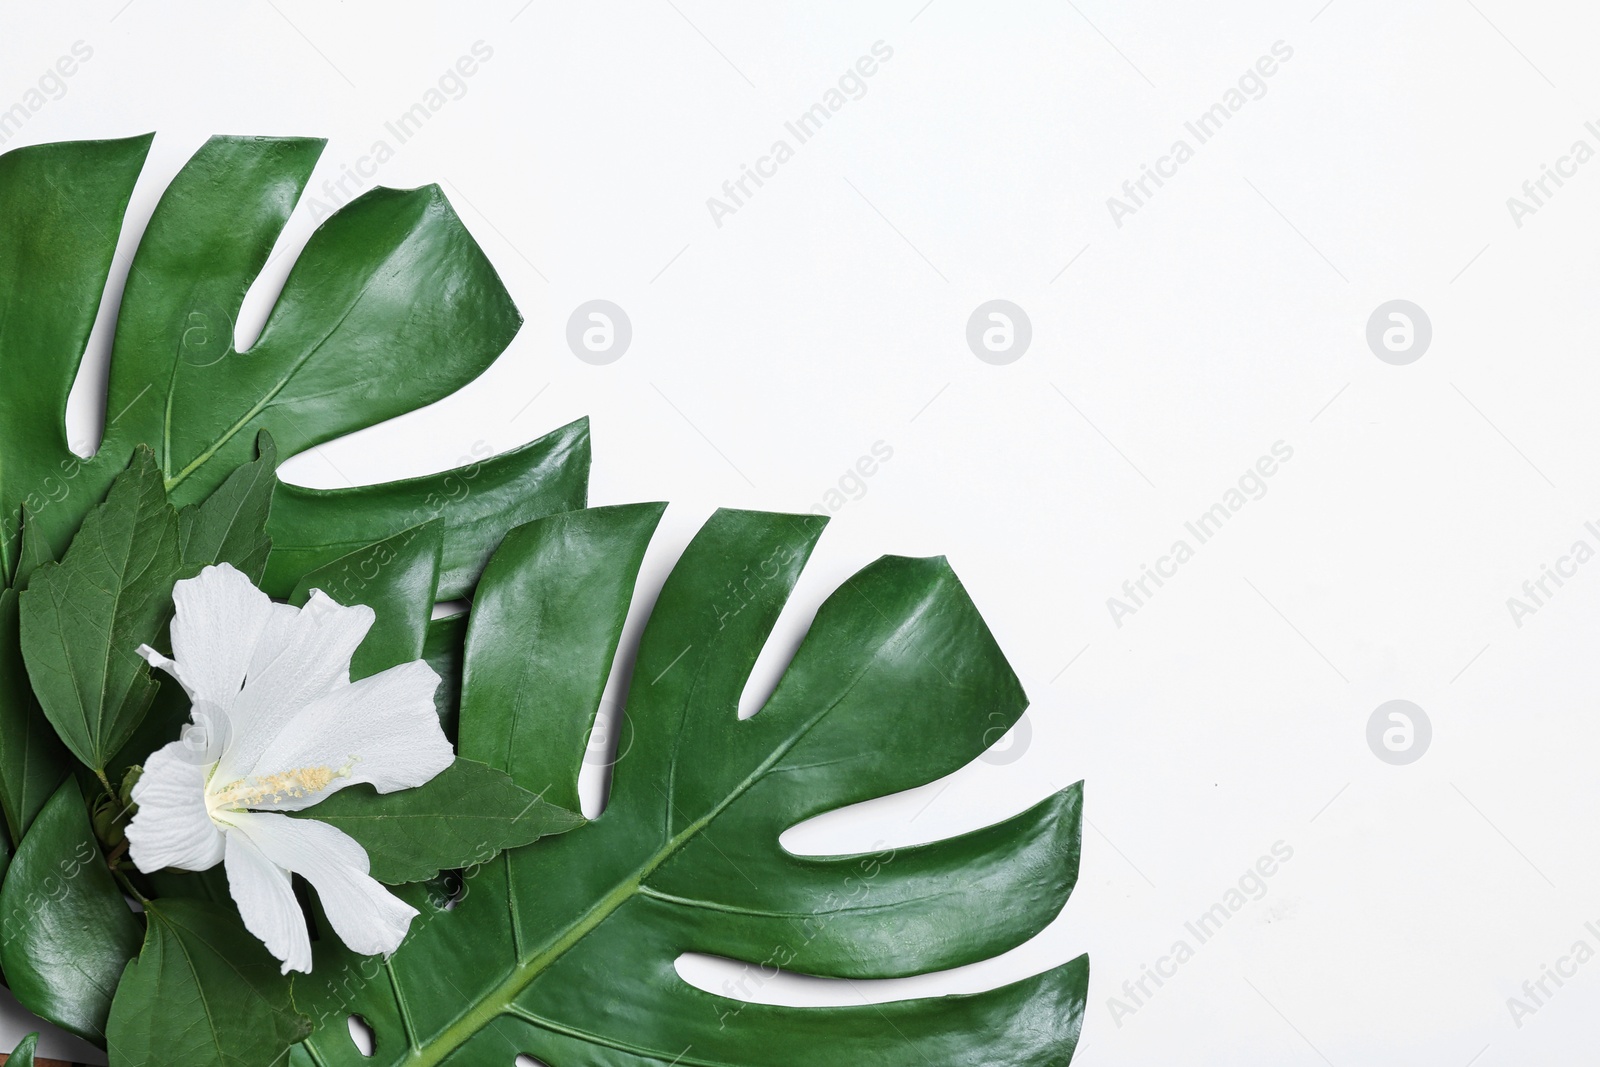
pixel 278 726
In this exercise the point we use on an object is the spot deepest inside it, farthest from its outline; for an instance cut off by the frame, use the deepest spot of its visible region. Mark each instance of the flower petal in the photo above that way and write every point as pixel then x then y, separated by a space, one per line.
pixel 275 638
pixel 160 662
pixel 267 903
pixel 172 828
pixel 365 915
pixel 220 617
pixel 312 659
pixel 383 730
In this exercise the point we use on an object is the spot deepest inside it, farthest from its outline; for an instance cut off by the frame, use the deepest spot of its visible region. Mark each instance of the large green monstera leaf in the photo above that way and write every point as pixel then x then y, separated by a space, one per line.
pixel 390 306
pixel 564 950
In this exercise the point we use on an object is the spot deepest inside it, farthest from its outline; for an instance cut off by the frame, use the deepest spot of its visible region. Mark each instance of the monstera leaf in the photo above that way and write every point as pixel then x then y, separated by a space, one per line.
pixel 390 306
pixel 564 950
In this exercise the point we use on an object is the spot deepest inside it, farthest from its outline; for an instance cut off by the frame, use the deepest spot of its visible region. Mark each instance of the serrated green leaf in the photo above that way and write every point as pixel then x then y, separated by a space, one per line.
pixel 65 930
pixel 22 1055
pixel 398 578
pixel 202 993
pixel 565 950
pixel 33 762
pixel 478 503
pixel 465 816
pixel 231 526
pixel 83 618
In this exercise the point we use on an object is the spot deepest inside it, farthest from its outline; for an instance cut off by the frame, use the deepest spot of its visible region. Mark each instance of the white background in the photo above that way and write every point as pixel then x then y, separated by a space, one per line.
pixel 828 313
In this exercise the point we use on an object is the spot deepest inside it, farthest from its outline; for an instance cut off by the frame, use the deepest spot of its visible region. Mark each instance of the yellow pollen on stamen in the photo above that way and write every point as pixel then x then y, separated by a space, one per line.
pixel 255 791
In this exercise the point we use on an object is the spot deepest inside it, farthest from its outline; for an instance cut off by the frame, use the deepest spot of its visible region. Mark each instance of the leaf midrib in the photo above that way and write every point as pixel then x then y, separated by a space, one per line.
pixel 501 999
pixel 270 396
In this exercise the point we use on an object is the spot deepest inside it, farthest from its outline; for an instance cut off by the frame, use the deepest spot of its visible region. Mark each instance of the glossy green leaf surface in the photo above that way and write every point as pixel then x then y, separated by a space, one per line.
pixel 22 1055
pixel 202 993
pixel 565 950
pixel 465 816
pixel 478 503
pixel 382 289
pixel 65 930
pixel 61 208
pixel 83 618
pixel 565 581
pixel 398 578
pixel 390 306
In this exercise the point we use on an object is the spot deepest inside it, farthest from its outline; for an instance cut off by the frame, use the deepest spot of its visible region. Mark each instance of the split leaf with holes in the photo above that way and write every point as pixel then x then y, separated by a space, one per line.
pixel 390 306
pixel 564 950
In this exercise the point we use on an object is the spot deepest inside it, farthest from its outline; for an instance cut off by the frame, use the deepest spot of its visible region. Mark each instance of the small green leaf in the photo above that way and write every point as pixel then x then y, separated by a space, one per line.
pixel 231 526
pixel 65 930
pixel 83 618
pixel 203 993
pixel 22 1055
pixel 465 816
pixel 398 579
pixel 33 762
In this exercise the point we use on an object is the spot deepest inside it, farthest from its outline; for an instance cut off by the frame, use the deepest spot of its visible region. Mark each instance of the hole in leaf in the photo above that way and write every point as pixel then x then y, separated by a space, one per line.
pixel 742 983
pixel 265 289
pixel 361 1035
pixel 447 889
pixel 525 1060
pixel 86 402
pixel 610 742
